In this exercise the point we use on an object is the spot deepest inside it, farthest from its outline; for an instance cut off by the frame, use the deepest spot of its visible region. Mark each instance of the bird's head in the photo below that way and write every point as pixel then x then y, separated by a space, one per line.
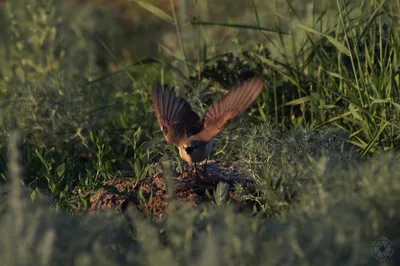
pixel 195 150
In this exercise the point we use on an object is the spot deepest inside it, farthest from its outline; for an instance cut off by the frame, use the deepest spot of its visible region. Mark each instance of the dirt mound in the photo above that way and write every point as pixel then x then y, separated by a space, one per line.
pixel 151 195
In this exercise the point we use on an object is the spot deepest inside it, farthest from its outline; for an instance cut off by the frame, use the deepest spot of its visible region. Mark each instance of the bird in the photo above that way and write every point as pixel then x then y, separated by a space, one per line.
pixel 182 127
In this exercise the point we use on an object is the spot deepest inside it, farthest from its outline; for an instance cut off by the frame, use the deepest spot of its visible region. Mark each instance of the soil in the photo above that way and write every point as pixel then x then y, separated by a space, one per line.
pixel 152 196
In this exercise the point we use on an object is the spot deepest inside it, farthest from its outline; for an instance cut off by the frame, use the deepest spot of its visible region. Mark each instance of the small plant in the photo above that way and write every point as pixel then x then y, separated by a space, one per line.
pixel 102 161
pixel 142 156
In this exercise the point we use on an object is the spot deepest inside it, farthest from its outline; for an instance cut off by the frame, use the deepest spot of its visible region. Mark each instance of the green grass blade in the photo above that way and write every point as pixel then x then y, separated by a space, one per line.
pixel 155 11
pixel 237 26
pixel 340 46
pixel 300 100
pixel 371 142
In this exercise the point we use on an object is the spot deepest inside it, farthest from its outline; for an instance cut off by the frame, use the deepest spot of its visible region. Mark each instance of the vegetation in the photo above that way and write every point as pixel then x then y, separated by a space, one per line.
pixel 319 145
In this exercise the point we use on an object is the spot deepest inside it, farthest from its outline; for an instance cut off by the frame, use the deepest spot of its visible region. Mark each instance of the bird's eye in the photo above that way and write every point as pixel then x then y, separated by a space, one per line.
pixel 190 149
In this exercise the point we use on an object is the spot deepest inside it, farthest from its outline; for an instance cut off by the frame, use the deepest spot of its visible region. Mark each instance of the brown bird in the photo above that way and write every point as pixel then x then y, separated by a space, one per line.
pixel 184 128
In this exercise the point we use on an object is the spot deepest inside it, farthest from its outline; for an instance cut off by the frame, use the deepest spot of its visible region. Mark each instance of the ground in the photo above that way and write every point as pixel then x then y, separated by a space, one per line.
pixel 189 188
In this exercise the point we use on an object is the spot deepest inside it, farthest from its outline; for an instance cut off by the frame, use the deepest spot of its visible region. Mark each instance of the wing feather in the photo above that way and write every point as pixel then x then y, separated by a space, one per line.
pixel 232 104
pixel 175 116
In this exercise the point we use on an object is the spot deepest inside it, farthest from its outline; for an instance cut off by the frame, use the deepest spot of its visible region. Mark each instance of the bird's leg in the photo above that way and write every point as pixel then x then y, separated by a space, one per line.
pixel 195 168
pixel 197 175
pixel 204 167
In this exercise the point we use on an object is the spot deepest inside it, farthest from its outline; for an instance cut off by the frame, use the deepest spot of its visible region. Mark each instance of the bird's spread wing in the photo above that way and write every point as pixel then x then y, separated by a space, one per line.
pixel 175 116
pixel 232 104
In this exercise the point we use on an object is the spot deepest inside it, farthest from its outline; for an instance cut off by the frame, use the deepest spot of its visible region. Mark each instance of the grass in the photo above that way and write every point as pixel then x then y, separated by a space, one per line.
pixel 320 142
